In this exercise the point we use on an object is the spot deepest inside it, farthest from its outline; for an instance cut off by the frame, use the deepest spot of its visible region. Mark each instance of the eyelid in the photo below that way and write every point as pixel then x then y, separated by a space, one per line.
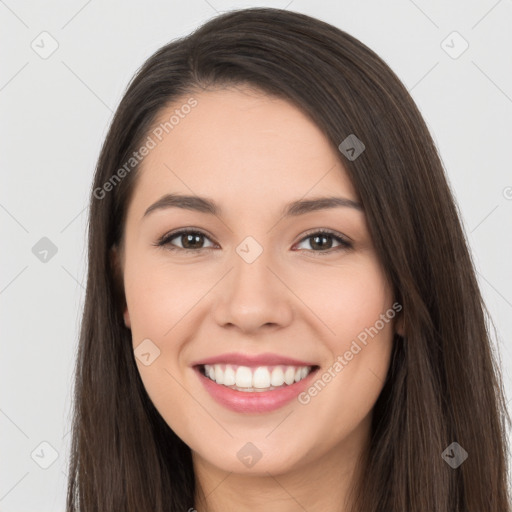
pixel 327 231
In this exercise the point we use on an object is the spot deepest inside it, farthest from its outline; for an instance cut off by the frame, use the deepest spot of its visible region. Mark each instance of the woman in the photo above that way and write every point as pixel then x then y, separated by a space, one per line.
pixel 281 309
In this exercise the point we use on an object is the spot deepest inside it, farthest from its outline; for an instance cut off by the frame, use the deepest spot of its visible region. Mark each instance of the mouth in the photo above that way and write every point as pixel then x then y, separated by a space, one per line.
pixel 254 389
pixel 258 379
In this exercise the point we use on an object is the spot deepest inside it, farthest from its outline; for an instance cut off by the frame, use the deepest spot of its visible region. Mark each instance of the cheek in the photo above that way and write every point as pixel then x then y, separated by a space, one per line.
pixel 158 300
pixel 161 302
pixel 354 304
pixel 159 297
pixel 347 298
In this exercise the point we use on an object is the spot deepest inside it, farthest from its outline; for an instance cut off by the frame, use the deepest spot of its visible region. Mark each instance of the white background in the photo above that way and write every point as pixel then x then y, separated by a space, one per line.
pixel 54 117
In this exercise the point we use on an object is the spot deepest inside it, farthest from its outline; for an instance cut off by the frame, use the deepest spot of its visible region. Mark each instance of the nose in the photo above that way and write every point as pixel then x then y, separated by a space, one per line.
pixel 253 297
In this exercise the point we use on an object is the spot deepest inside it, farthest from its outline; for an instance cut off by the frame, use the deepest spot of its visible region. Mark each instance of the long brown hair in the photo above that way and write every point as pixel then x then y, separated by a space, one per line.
pixel 443 384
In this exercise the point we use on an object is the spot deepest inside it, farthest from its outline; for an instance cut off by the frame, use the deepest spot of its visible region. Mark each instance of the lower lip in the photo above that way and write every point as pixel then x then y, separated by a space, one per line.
pixel 256 401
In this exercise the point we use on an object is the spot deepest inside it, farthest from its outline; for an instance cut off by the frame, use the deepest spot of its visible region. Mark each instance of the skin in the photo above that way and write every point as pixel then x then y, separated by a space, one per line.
pixel 252 154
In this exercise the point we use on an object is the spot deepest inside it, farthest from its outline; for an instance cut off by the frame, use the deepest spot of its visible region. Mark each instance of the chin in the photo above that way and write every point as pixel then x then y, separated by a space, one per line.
pixel 252 458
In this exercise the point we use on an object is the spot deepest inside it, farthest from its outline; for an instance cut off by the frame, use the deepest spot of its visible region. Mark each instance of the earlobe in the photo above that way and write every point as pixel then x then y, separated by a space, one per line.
pixel 116 267
pixel 126 317
pixel 399 325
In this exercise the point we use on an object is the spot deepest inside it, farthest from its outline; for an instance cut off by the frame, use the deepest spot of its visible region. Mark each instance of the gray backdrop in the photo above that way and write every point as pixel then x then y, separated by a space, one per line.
pixel 64 68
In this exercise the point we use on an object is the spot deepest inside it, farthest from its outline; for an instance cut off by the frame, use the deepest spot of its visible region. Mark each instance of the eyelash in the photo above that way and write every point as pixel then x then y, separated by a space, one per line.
pixel 165 240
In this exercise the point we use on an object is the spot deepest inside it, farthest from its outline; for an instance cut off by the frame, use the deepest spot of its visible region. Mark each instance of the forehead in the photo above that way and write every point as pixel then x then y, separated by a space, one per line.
pixel 241 146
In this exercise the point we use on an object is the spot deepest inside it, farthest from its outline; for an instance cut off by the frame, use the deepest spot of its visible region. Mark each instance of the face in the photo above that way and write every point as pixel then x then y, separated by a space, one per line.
pixel 288 312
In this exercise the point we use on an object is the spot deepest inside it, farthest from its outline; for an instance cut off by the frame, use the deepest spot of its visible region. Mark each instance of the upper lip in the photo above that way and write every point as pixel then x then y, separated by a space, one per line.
pixel 266 359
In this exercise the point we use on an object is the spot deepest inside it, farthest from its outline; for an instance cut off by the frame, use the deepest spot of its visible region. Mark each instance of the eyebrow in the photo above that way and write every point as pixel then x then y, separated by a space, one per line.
pixel 293 209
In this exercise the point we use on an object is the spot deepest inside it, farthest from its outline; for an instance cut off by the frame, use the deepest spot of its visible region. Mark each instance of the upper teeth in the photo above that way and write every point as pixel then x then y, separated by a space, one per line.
pixel 260 377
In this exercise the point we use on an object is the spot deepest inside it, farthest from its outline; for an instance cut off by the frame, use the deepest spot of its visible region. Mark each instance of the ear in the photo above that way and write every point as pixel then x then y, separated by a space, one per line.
pixel 126 317
pixel 117 271
pixel 400 324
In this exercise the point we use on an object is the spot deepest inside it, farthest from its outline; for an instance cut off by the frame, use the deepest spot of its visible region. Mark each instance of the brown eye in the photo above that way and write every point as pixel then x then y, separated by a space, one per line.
pixel 190 241
pixel 322 242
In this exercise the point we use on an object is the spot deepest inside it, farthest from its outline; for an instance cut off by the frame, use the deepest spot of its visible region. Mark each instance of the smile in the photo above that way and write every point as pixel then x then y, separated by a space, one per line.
pixel 255 379
pixel 254 389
